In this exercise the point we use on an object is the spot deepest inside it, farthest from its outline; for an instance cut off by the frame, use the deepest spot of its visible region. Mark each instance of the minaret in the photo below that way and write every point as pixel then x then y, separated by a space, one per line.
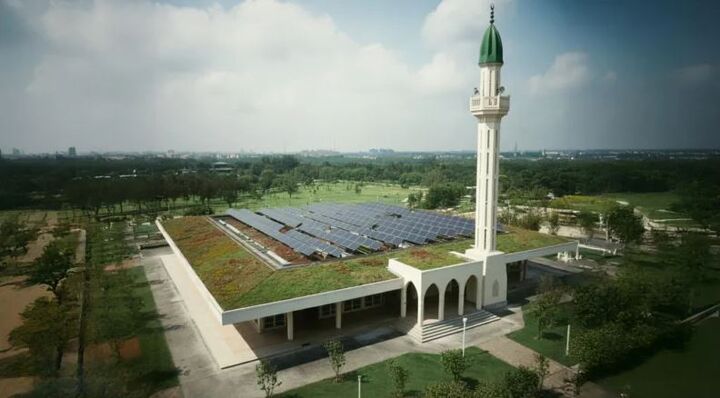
pixel 489 106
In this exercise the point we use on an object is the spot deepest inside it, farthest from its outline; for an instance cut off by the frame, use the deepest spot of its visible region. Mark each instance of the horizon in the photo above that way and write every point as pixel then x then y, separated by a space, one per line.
pixel 285 76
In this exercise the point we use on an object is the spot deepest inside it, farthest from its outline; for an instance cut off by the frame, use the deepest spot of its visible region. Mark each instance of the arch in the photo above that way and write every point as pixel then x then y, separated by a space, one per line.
pixel 431 302
pixel 411 299
pixel 471 292
pixel 452 296
pixel 496 288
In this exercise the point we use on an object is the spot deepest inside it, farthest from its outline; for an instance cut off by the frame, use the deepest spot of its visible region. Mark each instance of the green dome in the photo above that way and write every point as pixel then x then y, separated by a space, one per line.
pixel 491 51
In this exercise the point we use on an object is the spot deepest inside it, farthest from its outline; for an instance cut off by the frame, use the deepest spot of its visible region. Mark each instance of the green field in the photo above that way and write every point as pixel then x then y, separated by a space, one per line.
pixel 331 192
pixel 691 371
pixel 653 205
pixel 552 344
pixel 424 369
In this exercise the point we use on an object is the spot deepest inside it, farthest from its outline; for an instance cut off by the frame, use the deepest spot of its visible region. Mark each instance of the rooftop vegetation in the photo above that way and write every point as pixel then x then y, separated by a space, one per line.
pixel 238 279
pixel 439 255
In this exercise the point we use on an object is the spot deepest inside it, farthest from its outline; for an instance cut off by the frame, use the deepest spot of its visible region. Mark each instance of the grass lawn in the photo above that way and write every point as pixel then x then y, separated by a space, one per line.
pixel 333 192
pixel 688 372
pixel 552 344
pixel 424 369
pixel 654 205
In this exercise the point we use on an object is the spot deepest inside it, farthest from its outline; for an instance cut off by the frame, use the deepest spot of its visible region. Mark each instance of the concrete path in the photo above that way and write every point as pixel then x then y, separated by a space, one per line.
pixel 227 346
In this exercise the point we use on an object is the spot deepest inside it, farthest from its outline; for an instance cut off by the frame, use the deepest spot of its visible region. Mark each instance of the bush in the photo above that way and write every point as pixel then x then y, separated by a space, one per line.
pixel 448 389
pixel 454 363
pixel 399 377
pixel 520 383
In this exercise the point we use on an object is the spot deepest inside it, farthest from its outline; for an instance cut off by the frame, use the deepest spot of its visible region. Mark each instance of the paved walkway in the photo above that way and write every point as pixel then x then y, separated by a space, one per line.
pixel 228 348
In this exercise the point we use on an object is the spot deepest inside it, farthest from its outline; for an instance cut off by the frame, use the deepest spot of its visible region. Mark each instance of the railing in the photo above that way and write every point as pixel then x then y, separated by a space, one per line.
pixel 499 102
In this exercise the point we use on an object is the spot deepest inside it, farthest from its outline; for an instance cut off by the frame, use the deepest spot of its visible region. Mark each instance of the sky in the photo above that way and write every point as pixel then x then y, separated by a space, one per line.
pixel 284 76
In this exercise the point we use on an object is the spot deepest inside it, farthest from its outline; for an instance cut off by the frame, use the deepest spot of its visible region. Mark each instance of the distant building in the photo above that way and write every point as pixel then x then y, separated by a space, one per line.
pixel 72 152
pixel 15 152
pixel 221 167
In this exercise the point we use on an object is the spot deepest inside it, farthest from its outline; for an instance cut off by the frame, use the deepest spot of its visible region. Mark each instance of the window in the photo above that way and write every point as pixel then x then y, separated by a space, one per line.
pixel 327 311
pixel 364 303
pixel 352 305
pixel 274 322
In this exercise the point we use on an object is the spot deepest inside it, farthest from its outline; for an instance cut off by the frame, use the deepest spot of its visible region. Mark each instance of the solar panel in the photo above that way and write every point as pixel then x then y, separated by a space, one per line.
pixel 332 228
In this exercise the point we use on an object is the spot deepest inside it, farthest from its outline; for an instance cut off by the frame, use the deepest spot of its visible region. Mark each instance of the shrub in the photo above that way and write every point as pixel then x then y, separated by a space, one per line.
pixel 454 363
pixel 399 377
pixel 336 353
pixel 267 377
pixel 448 389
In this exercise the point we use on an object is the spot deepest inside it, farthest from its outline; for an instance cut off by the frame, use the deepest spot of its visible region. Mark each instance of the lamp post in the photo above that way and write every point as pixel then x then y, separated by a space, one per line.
pixel 463 339
pixel 567 341
pixel 359 386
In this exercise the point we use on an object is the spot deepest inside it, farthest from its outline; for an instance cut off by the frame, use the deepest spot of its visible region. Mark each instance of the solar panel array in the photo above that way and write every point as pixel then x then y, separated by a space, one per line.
pixel 335 229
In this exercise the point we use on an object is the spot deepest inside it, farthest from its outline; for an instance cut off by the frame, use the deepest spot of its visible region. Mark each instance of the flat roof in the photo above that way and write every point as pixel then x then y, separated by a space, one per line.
pixel 236 278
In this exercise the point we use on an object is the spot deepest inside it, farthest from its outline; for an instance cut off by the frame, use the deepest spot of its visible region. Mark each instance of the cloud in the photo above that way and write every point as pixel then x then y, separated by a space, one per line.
pixel 262 75
pixel 456 21
pixel 697 74
pixel 568 70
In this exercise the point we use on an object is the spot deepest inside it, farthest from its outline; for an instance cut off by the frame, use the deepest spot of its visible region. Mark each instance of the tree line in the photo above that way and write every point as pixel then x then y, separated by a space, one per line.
pixel 93 184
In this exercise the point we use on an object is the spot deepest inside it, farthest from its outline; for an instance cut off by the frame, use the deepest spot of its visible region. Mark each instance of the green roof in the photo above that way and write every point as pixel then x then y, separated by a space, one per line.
pixel 237 279
pixel 491 51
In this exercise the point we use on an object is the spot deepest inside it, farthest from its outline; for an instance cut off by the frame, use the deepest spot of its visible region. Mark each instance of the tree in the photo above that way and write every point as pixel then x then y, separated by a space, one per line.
pixel 586 221
pixel 230 196
pixel 545 309
pixel 554 222
pixel 267 377
pixel 14 238
pixel 45 331
pixel 399 376
pixel 542 368
pixel 414 199
pixel 443 195
pixel 336 353
pixel 290 185
pixel 358 189
pixel 701 201
pixel 52 267
pixel 694 256
pixel 624 225
pixel 454 363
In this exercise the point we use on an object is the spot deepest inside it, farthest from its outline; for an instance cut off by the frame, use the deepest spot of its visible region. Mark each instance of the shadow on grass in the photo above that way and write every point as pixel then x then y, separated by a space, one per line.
pixel 19 365
pixel 552 336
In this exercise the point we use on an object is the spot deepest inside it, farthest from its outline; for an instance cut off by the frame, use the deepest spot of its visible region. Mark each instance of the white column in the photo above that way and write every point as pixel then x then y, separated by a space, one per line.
pixel 403 302
pixel 461 301
pixel 260 325
pixel 290 325
pixel 441 305
pixel 486 184
pixel 420 309
pixel 338 315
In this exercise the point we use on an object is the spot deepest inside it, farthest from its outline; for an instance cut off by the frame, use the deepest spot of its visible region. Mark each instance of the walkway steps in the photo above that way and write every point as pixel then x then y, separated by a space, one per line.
pixel 447 327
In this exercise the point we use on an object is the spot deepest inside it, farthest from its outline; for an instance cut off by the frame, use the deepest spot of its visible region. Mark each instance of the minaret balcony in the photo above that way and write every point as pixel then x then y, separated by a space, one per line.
pixel 499 104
